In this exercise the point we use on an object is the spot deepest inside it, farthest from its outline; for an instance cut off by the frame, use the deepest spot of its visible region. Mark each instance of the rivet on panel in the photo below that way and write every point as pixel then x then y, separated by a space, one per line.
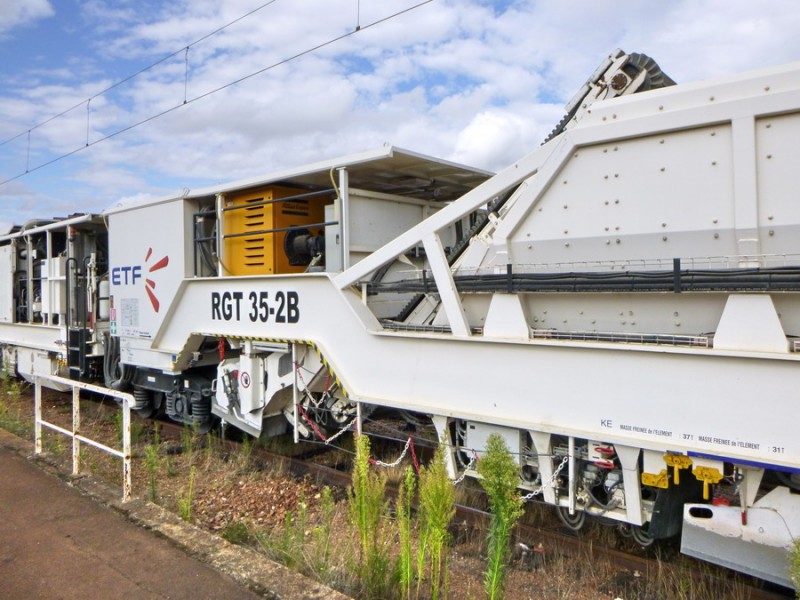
pixel 716 236
pixel 564 182
pixel 769 125
pixel 613 116
pixel 714 221
pixel 663 224
pixel 661 141
pixel 616 148
pixel 566 231
pixel 772 232
pixel 616 201
pixel 769 155
pixel 711 99
pixel 713 163
pixel 766 89
pixel 770 217
pixel 605 176
pixel 619 241
pixel 606 203
pixel 566 245
pixel 565 206
pixel 616 174
pixel 661 107
pixel 604 118
pixel 676 314
pixel 664 239
pixel 713 133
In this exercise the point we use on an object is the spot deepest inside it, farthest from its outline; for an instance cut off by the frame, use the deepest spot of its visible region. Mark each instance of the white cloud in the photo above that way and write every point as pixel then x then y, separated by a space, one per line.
pixel 15 13
pixel 454 78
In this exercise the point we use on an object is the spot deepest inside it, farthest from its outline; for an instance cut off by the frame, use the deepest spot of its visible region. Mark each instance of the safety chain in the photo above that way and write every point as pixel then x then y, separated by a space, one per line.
pixel 473 459
pixel 339 433
pixel 558 470
pixel 380 463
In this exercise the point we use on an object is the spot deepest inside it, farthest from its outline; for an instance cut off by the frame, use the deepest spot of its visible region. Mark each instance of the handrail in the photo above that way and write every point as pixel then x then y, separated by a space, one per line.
pixel 77 438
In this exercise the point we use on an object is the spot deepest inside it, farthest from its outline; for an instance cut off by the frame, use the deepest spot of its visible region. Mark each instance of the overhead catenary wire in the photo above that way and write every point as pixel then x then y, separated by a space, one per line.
pixel 136 74
pixel 186 102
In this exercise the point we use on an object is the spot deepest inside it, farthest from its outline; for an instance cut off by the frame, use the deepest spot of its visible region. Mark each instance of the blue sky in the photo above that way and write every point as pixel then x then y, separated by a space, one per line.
pixel 477 81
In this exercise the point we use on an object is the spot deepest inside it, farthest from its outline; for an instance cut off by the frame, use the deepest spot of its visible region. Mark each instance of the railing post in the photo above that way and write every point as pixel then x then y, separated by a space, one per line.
pixel 37 415
pixel 126 449
pixel 76 430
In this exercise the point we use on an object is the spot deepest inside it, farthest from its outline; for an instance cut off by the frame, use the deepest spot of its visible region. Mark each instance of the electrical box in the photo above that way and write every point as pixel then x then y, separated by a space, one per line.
pixel 255 224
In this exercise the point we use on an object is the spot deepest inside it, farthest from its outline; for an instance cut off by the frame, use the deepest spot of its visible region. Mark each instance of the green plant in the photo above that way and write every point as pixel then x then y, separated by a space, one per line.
pixel 289 546
pixel 236 532
pixel 323 531
pixel 368 509
pixel 436 508
pixel 499 477
pixel 185 500
pixel 794 566
pixel 151 464
pixel 405 565
pixel 187 439
pixel 245 453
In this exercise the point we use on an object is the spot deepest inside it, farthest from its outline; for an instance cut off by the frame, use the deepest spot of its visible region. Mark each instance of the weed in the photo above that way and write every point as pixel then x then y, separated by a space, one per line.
pixel 245 453
pixel 185 500
pixel 436 507
pixel 237 532
pixel 188 439
pixel 500 475
pixel 323 531
pixel 794 565
pixel 151 464
pixel 405 566
pixel 368 509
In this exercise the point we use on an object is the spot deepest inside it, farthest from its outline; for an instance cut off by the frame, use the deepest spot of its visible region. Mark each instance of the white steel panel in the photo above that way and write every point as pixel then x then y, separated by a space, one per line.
pixel 678 399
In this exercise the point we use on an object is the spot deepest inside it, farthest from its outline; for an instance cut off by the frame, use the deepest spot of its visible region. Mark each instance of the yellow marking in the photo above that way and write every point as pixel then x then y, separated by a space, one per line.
pixel 678 462
pixel 707 475
pixel 660 481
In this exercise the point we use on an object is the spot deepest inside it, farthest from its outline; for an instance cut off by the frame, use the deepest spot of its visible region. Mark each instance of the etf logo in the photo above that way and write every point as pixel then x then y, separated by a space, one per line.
pixel 129 275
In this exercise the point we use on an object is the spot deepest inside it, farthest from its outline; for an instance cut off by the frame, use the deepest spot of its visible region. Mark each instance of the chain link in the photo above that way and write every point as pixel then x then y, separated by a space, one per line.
pixel 339 433
pixel 547 484
pixel 472 461
pixel 380 463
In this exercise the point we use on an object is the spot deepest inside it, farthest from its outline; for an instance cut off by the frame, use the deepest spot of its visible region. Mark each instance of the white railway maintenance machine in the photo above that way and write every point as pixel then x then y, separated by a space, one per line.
pixel 621 305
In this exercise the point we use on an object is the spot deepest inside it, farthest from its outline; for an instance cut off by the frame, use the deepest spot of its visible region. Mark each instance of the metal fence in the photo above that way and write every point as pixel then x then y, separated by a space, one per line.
pixel 75 433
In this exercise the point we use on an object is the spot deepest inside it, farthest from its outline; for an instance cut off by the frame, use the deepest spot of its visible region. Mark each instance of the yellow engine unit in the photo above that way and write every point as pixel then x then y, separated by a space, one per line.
pixel 251 246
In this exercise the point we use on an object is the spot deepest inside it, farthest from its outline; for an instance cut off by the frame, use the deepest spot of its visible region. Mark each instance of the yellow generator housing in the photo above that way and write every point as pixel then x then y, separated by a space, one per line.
pixel 252 246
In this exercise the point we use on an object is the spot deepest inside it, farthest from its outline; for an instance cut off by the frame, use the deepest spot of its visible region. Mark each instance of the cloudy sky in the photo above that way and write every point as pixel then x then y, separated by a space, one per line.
pixel 476 81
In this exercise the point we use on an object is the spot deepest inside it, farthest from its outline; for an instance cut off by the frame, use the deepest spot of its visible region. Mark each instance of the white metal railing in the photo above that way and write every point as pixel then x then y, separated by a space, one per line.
pixel 77 438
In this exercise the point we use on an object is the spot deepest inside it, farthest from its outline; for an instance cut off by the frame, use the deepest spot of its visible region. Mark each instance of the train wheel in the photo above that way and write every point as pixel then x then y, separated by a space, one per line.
pixel 573 522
